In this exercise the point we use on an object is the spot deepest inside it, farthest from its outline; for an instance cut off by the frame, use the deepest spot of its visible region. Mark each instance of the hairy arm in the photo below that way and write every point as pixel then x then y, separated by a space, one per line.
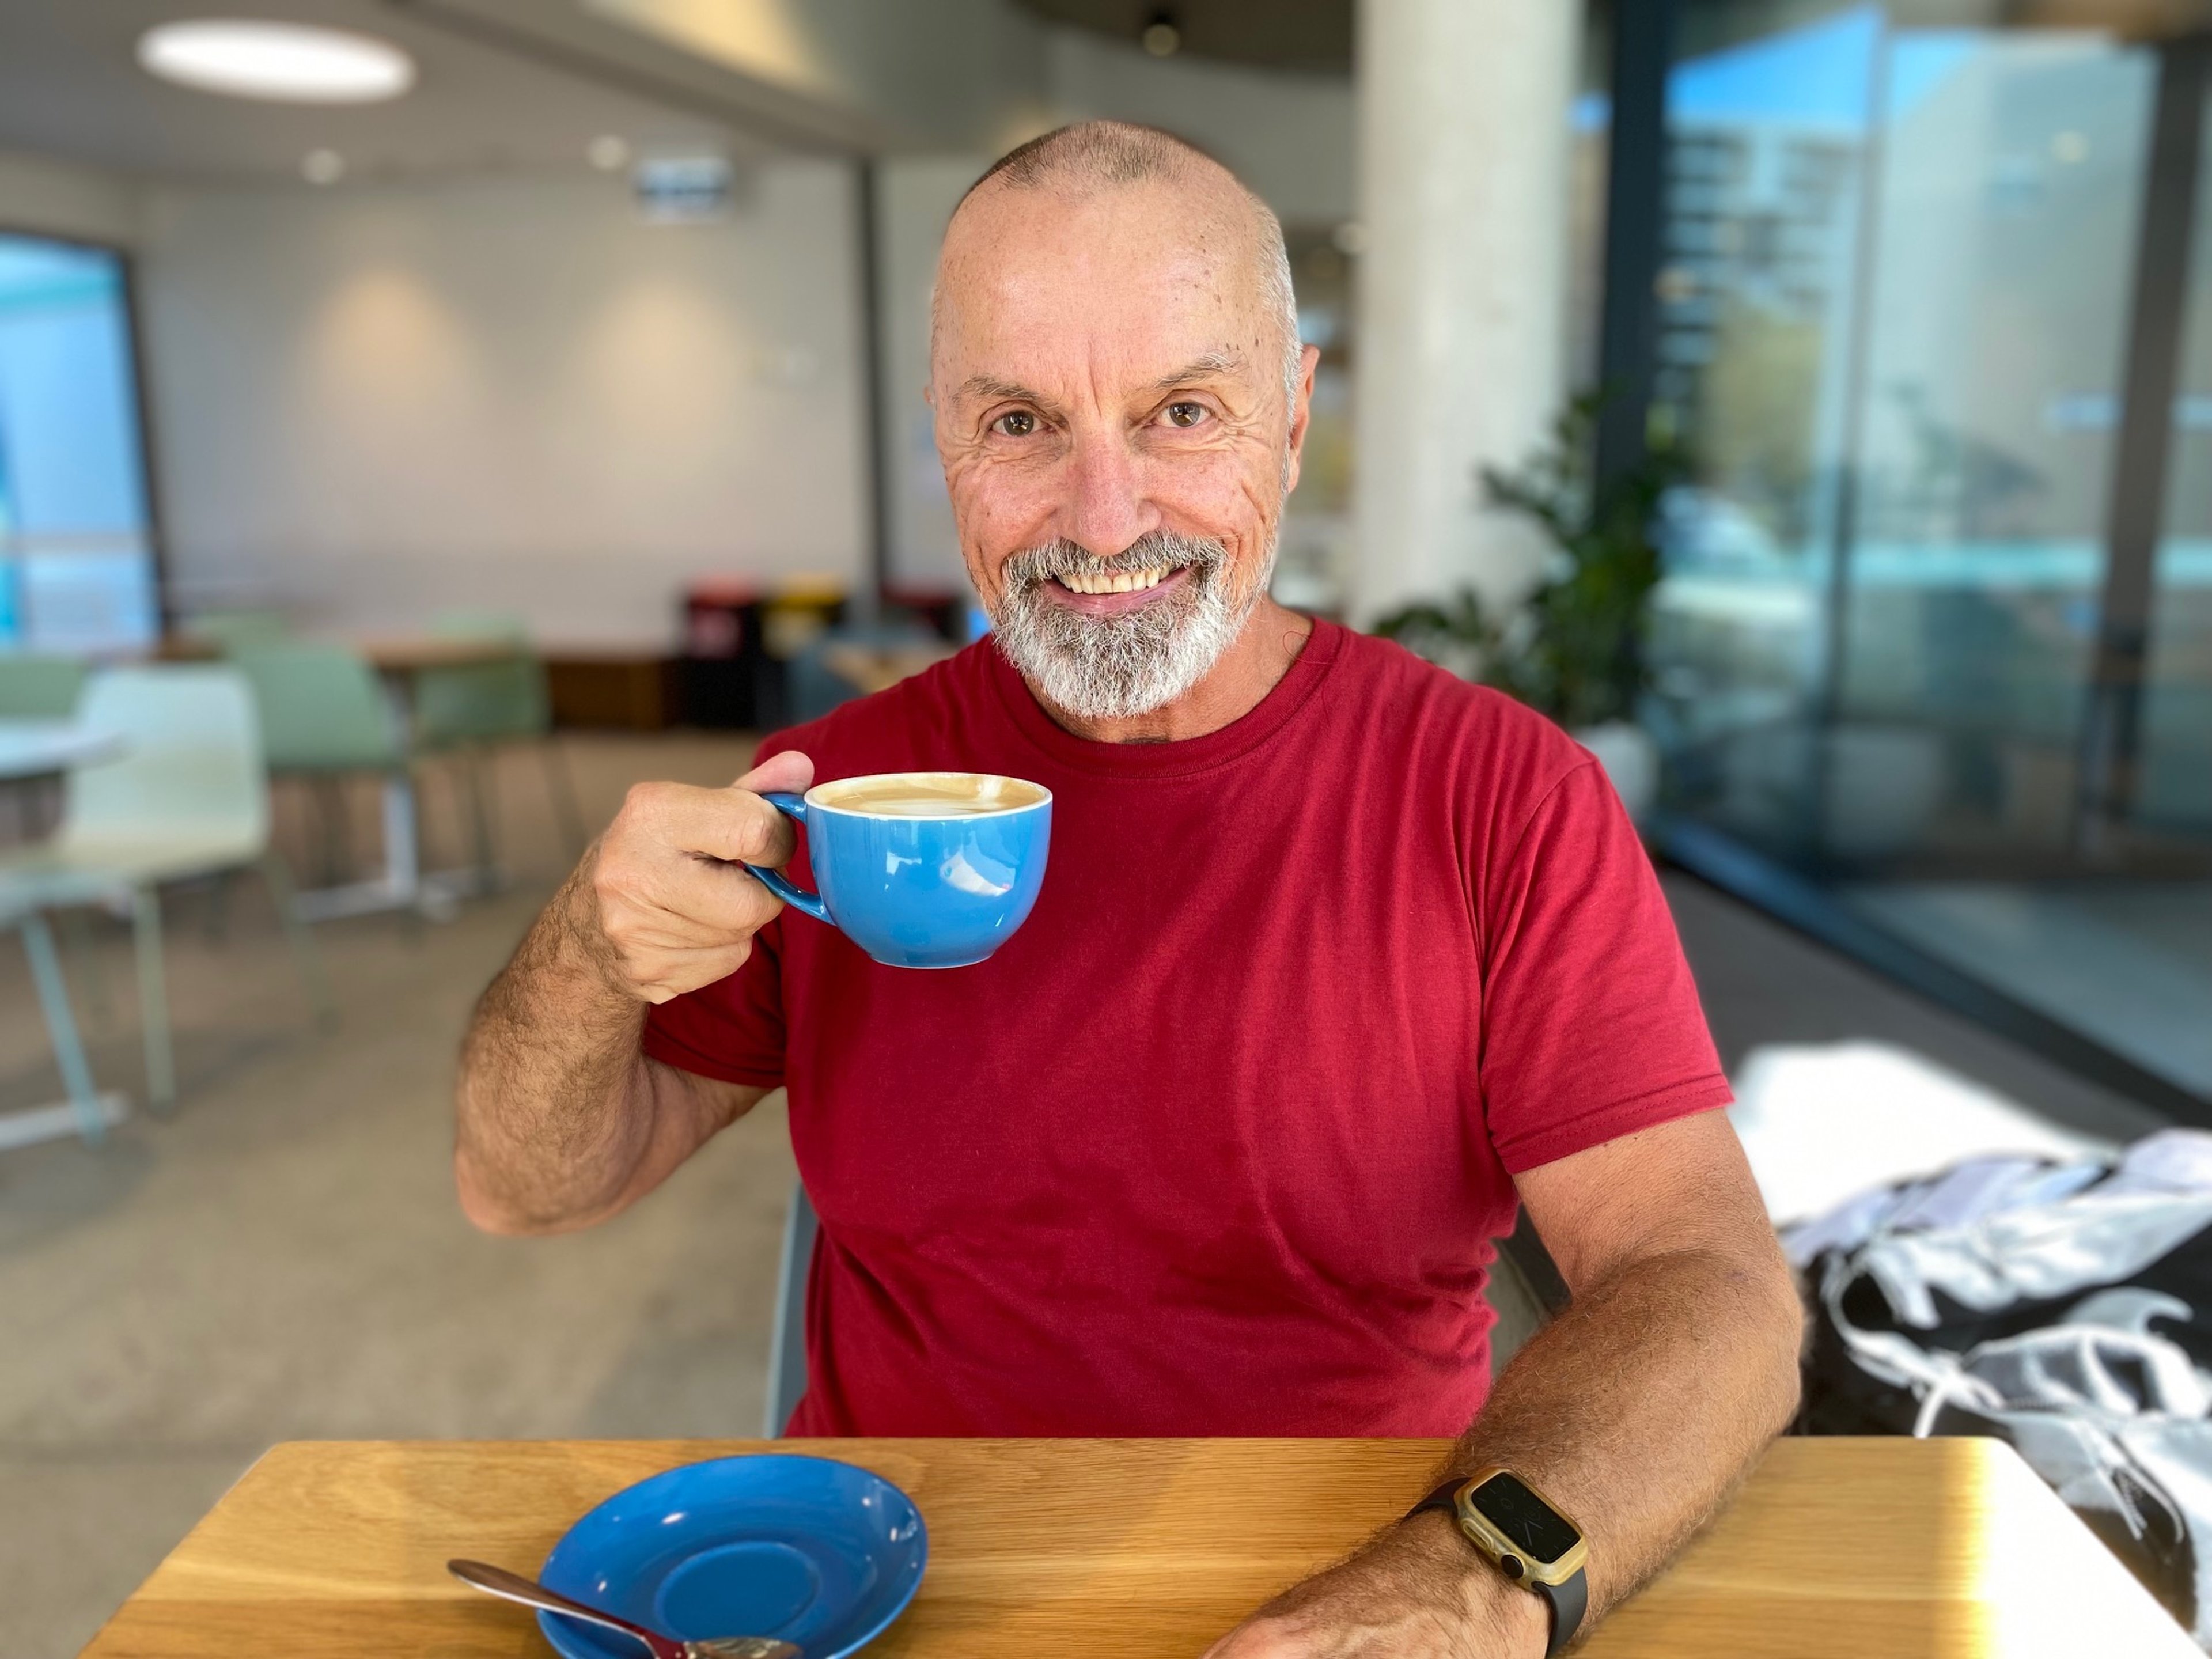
pixel 1637 1411
pixel 562 1120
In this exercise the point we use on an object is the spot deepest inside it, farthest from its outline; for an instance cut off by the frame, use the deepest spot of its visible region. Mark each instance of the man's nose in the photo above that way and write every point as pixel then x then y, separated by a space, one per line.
pixel 1107 508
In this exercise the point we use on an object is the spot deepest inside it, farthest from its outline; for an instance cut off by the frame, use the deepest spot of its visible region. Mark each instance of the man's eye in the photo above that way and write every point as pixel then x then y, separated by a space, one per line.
pixel 1015 424
pixel 1186 413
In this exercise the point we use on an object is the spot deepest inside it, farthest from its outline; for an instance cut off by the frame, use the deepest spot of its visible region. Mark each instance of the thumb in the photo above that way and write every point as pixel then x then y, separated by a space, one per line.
pixel 790 770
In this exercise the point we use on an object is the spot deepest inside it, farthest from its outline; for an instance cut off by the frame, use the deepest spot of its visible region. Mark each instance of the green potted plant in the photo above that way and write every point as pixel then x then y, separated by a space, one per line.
pixel 1574 649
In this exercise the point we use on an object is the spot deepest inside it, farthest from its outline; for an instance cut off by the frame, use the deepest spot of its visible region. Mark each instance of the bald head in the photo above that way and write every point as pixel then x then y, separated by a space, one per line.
pixel 1096 154
pixel 1082 160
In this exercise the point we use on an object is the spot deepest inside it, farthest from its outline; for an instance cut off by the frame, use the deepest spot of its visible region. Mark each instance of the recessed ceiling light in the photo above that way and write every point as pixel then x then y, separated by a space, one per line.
pixel 607 153
pixel 322 166
pixel 290 62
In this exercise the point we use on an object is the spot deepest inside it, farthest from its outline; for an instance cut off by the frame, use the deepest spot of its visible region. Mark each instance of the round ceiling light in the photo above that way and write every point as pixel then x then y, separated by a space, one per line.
pixel 290 62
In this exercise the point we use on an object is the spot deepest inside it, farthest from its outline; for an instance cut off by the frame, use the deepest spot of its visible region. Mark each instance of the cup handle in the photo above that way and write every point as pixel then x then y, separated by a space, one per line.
pixel 794 808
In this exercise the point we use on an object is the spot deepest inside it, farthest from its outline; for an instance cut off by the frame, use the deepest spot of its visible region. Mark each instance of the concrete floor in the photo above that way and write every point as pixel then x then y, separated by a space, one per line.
pixel 2126 963
pixel 284 1258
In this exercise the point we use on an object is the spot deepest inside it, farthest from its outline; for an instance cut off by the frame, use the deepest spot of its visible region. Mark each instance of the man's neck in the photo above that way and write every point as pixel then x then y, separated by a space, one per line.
pixel 1239 681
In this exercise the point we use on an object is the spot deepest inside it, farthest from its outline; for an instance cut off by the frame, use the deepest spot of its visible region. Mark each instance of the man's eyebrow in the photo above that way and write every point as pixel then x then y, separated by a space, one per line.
pixel 1201 368
pixel 990 386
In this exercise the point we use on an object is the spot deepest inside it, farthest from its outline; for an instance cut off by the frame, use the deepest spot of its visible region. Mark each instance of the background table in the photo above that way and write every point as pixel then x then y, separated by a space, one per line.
pixel 1907 1549
pixel 35 757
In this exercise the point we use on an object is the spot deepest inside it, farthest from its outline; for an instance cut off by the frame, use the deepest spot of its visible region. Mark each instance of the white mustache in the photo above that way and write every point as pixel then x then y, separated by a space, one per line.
pixel 1158 552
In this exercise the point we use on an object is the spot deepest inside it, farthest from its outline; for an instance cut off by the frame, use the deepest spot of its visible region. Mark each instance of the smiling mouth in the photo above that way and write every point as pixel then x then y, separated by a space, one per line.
pixel 1114 581
pixel 1108 593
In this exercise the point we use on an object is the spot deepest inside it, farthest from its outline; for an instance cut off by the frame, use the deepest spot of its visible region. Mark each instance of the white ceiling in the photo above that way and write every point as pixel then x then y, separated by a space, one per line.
pixel 70 86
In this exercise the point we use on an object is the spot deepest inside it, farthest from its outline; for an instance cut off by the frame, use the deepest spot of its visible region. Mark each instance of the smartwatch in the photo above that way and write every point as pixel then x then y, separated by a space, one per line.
pixel 1524 1535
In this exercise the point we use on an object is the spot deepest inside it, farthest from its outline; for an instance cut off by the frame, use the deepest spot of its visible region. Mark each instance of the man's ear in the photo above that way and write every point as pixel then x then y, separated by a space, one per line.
pixel 1301 415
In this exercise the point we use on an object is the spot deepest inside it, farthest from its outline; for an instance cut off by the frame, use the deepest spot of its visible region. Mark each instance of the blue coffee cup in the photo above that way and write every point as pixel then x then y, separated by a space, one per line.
pixel 919 869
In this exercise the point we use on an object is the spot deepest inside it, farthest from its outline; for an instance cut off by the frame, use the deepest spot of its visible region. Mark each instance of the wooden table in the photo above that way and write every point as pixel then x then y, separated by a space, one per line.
pixel 870 669
pixel 1900 1549
pixel 412 653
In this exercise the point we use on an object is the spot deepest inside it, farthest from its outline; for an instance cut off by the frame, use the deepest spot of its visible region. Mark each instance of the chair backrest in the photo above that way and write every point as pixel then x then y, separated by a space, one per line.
pixel 488 701
pixel 231 629
pixel 787 1353
pixel 191 764
pixel 40 688
pixel 321 708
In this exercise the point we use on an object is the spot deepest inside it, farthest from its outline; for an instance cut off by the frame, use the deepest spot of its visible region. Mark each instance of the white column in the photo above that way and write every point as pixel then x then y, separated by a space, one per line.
pixel 1463 286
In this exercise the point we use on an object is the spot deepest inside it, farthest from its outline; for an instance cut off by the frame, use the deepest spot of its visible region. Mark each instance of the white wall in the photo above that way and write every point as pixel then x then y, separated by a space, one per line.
pixel 508 391
pixel 915 200
pixel 59 198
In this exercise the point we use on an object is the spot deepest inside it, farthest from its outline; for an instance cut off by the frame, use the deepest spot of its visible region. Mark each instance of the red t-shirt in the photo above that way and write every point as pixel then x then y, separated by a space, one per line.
pixel 1216 1144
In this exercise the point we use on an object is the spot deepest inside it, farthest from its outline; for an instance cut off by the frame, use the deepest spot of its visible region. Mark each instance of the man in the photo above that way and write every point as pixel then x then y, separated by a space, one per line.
pixel 1337 959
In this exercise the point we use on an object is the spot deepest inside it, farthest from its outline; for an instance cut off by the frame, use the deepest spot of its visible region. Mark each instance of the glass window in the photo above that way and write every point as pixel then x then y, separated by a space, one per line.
pixel 76 571
pixel 1894 319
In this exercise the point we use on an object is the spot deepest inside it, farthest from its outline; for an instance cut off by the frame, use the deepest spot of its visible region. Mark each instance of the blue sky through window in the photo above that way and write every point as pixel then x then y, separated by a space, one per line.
pixel 1811 77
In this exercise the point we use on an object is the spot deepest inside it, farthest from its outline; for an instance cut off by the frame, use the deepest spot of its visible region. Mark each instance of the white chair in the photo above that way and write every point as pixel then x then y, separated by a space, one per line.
pixel 187 799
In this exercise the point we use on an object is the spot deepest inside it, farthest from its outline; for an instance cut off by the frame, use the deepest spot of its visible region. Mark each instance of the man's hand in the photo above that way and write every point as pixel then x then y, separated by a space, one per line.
pixel 665 909
pixel 1418 1592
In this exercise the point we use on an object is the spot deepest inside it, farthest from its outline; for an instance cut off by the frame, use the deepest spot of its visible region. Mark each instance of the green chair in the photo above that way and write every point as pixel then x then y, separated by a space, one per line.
pixel 468 711
pixel 229 629
pixel 40 688
pixel 324 720
pixel 187 798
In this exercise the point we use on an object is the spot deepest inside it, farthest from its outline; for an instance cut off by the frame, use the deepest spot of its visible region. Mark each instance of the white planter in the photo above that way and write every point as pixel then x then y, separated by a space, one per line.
pixel 1631 760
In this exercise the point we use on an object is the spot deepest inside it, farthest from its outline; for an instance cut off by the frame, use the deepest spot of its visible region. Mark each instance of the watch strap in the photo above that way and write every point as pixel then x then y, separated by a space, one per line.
pixel 1568 1600
pixel 1445 1496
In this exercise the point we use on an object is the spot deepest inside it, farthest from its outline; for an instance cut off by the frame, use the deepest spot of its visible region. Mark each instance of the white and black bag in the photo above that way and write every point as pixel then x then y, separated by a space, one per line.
pixel 2066 1308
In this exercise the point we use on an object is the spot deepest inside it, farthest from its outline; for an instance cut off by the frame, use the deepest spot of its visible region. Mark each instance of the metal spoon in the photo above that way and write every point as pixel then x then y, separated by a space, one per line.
pixel 497 1581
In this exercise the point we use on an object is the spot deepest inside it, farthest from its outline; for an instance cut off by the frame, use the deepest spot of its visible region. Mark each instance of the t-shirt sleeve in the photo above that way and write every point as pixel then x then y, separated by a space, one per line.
pixel 732 1029
pixel 1591 1026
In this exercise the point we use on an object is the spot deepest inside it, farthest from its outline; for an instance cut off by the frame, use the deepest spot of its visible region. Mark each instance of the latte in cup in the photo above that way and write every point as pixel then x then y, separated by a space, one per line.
pixel 919 869
pixel 929 794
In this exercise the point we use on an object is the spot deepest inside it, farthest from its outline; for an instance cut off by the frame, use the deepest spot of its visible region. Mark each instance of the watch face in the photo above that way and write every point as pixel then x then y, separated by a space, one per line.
pixel 1539 1529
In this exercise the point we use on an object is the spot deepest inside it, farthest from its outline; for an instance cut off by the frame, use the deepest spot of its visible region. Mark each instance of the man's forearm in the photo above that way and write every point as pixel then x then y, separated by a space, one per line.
pixel 555 1110
pixel 1642 1406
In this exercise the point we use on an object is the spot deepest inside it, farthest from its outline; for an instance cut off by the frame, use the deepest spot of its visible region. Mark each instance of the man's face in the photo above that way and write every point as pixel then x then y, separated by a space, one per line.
pixel 1110 412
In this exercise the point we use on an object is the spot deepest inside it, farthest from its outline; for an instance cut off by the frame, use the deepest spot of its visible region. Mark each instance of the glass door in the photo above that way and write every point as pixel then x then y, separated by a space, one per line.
pixel 1970 553
pixel 1897 656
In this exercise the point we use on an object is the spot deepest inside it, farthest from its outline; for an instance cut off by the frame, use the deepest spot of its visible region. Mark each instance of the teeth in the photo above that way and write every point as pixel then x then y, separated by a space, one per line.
pixel 1121 581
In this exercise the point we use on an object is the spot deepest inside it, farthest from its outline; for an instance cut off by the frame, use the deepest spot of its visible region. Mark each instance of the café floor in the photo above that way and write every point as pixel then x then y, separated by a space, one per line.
pixel 282 1259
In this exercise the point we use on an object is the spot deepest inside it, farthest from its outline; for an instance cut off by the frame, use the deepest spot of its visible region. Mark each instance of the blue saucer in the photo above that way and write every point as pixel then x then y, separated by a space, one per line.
pixel 817 1553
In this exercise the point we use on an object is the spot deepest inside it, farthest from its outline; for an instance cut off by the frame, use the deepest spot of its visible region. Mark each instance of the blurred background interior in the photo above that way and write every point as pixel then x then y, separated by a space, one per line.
pixel 407 442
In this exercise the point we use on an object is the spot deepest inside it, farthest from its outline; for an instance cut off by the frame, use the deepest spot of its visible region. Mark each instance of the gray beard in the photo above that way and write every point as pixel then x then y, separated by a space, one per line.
pixel 1102 668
